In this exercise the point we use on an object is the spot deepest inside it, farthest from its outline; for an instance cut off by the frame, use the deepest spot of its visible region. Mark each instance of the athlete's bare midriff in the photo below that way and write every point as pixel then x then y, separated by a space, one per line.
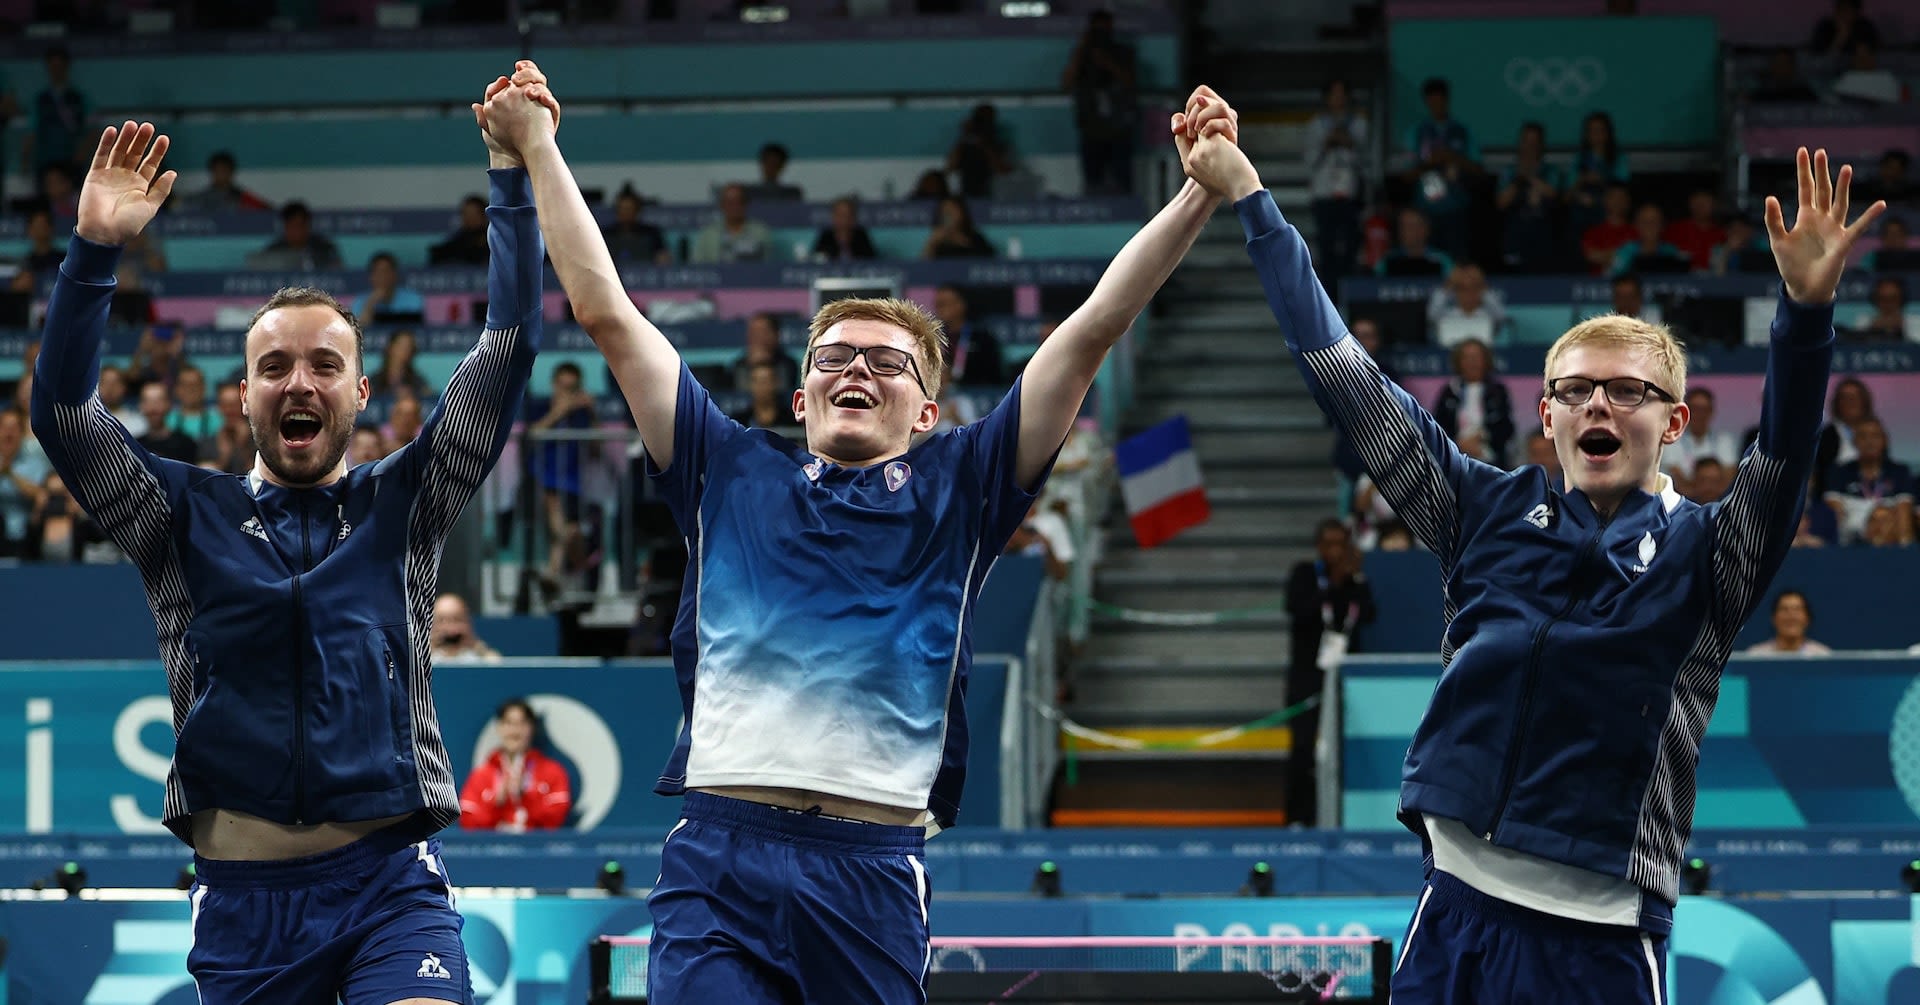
pixel 232 836
pixel 826 803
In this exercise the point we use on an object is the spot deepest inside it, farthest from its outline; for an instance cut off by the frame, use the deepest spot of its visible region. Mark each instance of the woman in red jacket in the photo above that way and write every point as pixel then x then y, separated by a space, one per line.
pixel 518 788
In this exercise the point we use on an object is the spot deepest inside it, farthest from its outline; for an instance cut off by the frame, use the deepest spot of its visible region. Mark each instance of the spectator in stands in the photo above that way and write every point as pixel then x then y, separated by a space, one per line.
pixel 1866 82
pixel 845 240
pixel 1630 299
pixel 953 234
pixel 1463 308
pixel 1371 512
pixel 1045 534
pixel 1817 526
pixel 156 403
pixel 980 154
pixel 298 248
pixel 559 466
pixel 1744 250
pixel 1540 451
pixel 1883 530
pixel 113 395
pixel 223 194
pixel 1529 196
pixel 733 237
pixel 1598 165
pixel 398 370
pixel 631 240
pixel 1327 599
pixel 386 300
pixel 454 640
pixel 404 419
pixel 1835 35
pixel 157 357
pixel 932 186
pixel 1897 247
pixel 763 348
pixel 1792 616
pixel 518 788
pixel 1649 250
pixel 59 134
pixel 61 531
pixel 766 407
pixel 1412 256
pixel 1710 481
pixel 9 110
pixel 1870 481
pixel 42 254
pixel 1601 242
pixel 23 473
pixel 1102 77
pixel 143 256
pixel 365 446
pixel 233 449
pixel 467 245
pixel 191 417
pixel 1474 407
pixel 1336 137
pixel 1782 83
pixel 1346 458
pixel 1894 182
pixel 956 406
pixel 1698 442
pixel 1850 405
pixel 1888 320
pixel 1394 536
pixel 972 351
pixel 1700 233
pixel 1446 162
pixel 773 161
pixel 58 192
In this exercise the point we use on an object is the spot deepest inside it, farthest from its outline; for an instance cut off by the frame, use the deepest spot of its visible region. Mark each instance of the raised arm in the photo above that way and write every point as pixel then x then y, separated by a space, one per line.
pixel 1056 380
pixel 644 363
pixel 117 481
pixel 1415 464
pixel 1761 511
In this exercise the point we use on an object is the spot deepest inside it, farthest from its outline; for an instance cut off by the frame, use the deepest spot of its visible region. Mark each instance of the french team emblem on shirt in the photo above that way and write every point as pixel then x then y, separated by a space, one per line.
pixel 897 474
pixel 1647 550
pixel 813 469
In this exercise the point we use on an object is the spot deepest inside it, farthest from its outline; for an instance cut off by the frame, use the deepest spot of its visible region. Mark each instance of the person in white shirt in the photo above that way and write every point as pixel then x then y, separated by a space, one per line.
pixel 1335 179
pixel 1464 308
pixel 1792 616
pixel 1700 440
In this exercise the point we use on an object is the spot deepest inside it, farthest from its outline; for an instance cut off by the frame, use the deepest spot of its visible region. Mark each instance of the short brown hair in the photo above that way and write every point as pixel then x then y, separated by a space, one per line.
pixel 1618 331
pixel 309 296
pixel 928 336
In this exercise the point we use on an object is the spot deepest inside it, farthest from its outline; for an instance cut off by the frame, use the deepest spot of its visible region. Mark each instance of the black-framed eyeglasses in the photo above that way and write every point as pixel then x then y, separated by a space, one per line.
pixel 1621 392
pixel 883 360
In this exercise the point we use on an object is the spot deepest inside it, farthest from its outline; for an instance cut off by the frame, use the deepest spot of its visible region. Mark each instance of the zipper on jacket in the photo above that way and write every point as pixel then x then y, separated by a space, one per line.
pixel 300 675
pixel 1512 764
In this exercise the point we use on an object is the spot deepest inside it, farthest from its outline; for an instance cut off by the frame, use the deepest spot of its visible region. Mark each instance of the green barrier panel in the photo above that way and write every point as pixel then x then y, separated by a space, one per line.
pixel 1657 76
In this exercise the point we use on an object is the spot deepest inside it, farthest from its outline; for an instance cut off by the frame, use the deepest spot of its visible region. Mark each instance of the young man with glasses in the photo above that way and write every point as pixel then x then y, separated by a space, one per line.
pixel 1552 778
pixel 822 644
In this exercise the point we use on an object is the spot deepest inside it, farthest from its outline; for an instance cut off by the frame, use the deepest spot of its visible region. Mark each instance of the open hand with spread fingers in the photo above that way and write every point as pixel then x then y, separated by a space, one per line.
pixel 124 186
pixel 1813 254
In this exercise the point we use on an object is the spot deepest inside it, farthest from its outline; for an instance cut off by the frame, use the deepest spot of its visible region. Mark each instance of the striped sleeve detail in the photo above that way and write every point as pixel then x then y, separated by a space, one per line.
pixel 1747 544
pixel 465 441
pixel 107 470
pixel 1379 419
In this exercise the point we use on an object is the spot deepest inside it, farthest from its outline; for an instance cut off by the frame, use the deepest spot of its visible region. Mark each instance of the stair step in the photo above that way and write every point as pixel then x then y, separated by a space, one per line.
pixel 1166 377
pixel 1236 315
pixel 1123 663
pixel 1193 598
pixel 1300 448
pixel 1279 553
pixel 1223 417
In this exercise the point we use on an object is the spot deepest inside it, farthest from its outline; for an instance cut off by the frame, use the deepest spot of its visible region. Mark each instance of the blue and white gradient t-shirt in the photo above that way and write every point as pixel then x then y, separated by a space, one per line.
pixel 823 639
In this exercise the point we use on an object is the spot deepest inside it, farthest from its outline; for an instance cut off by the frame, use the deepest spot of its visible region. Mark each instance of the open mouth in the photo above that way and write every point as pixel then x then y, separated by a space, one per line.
pixel 853 397
pixel 1599 443
pixel 300 428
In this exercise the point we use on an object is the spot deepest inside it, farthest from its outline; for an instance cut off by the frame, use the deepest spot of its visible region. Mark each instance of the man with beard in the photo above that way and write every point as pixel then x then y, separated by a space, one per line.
pixel 293 610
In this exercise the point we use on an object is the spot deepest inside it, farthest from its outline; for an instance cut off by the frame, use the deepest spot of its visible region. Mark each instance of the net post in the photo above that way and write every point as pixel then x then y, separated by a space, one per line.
pixel 599 972
pixel 1382 970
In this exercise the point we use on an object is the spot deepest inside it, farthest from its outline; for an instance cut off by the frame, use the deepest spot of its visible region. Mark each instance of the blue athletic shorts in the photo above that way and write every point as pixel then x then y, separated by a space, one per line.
pixel 758 905
pixel 1466 948
pixel 369 924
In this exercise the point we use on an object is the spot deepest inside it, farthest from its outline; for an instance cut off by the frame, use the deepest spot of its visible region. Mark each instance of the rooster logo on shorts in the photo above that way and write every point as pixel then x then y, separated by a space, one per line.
pixel 432 967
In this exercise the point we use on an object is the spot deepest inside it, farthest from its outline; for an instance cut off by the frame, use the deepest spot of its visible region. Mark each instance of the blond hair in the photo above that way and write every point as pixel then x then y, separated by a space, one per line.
pixel 1619 331
pixel 928 336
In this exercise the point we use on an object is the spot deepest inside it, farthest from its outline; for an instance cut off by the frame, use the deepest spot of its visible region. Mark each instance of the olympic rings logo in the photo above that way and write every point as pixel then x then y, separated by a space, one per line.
pixel 1555 80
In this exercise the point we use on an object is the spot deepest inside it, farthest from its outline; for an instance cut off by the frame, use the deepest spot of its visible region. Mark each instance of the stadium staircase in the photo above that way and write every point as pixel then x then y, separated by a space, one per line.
pixel 1215 356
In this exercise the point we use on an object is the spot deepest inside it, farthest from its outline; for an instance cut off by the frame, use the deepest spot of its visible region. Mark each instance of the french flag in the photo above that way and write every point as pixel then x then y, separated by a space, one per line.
pixel 1160 481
